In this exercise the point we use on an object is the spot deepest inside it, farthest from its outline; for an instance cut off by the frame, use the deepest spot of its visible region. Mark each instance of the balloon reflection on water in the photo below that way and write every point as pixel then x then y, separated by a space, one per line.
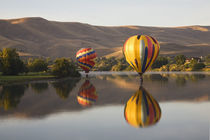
pixel 87 94
pixel 142 110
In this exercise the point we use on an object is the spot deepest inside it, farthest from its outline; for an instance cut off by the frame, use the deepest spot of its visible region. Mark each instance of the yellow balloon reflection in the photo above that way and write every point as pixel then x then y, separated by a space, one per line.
pixel 87 94
pixel 142 110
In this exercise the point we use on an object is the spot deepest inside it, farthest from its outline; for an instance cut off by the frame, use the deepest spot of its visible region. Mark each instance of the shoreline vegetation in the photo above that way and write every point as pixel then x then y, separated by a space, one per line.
pixel 15 69
pixel 163 63
pixel 6 79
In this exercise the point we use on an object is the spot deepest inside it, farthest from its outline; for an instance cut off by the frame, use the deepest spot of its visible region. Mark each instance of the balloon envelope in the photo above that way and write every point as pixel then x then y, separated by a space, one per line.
pixel 141 51
pixel 142 109
pixel 85 58
pixel 87 94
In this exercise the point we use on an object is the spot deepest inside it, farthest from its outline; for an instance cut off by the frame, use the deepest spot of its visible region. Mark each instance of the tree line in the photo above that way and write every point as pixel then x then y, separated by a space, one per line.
pixel 162 63
pixel 9 100
pixel 12 64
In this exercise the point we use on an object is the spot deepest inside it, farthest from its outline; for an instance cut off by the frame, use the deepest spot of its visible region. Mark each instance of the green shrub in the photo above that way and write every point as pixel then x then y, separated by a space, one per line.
pixel 11 64
pixel 63 67
pixel 164 68
pixel 175 67
pixel 207 58
pixel 37 65
pixel 180 59
pixel 159 62
pixel 198 66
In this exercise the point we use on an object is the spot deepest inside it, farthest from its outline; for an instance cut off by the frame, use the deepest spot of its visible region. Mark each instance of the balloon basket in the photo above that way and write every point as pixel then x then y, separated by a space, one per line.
pixel 86 76
pixel 141 79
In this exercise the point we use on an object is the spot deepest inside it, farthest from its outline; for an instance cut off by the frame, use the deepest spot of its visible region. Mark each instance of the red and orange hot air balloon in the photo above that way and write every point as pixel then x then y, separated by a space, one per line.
pixel 87 94
pixel 86 58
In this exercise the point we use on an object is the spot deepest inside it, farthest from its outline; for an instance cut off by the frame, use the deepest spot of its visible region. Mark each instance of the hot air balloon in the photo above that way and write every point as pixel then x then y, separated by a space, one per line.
pixel 85 58
pixel 87 94
pixel 140 52
pixel 142 110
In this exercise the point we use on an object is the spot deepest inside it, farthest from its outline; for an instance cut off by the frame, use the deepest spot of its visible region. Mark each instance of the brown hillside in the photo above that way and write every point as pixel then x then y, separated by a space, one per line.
pixel 40 37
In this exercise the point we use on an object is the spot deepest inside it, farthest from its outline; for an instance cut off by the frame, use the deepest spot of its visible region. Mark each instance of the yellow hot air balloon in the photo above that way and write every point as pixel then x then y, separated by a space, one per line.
pixel 140 52
pixel 142 110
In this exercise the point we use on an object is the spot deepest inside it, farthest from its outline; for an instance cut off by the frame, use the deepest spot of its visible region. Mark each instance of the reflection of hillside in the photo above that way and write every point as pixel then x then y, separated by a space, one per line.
pixel 202 98
pixel 131 81
pixel 191 77
pixel 122 82
pixel 112 90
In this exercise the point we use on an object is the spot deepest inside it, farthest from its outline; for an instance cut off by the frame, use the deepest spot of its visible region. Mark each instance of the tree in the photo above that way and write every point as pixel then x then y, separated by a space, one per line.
pixel 39 87
pixel 198 66
pixel 37 65
pixel 105 64
pixel 111 64
pixel 159 62
pixel 180 59
pixel 192 63
pixel 63 88
pixel 207 58
pixel 11 62
pixel 118 67
pixel 64 67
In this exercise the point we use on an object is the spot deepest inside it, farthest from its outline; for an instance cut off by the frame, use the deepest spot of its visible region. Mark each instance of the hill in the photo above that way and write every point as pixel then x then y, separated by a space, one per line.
pixel 40 37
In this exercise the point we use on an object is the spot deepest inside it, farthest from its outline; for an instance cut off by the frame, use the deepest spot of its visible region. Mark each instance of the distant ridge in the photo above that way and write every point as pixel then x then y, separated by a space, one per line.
pixel 36 36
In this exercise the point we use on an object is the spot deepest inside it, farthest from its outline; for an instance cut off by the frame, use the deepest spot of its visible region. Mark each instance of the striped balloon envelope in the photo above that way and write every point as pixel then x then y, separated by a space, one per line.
pixel 87 94
pixel 142 110
pixel 85 58
pixel 141 51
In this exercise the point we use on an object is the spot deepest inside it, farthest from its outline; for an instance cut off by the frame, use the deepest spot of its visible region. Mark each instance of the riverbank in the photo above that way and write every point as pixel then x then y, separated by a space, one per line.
pixel 4 79
pixel 163 69
pixel 45 76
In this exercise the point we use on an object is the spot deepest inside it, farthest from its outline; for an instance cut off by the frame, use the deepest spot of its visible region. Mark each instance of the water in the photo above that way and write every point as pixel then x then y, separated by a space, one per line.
pixel 108 106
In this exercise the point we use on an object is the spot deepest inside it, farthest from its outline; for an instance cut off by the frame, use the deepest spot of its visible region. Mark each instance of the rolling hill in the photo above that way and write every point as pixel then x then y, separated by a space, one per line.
pixel 40 37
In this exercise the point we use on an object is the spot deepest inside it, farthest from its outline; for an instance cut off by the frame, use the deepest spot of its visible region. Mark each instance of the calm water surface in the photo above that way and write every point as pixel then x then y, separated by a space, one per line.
pixel 108 106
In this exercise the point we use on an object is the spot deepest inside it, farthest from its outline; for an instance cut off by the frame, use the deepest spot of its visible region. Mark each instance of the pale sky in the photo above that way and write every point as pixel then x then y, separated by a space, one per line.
pixel 112 12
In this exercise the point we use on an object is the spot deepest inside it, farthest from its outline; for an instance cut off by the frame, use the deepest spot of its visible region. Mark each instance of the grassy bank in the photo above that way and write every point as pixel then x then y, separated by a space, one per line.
pixel 32 76
pixel 25 77
pixel 162 69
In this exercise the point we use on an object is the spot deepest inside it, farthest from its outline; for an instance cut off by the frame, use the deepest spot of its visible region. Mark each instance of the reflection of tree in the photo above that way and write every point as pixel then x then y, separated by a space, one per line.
pixel 156 77
pixel 39 87
pixel 196 77
pixel 63 88
pixel 10 95
pixel 181 81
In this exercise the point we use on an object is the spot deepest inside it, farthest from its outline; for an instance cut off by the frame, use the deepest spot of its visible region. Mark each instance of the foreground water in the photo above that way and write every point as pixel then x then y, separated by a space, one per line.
pixel 108 106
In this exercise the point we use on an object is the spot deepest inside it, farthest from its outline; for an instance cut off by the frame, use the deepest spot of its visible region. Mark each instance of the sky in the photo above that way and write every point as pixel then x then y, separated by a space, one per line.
pixel 162 13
